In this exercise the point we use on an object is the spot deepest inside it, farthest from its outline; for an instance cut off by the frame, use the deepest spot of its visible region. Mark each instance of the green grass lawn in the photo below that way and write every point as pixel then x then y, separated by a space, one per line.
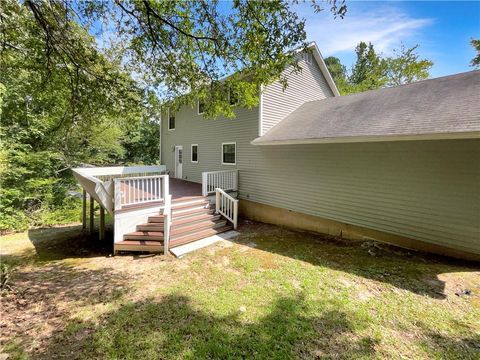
pixel 270 294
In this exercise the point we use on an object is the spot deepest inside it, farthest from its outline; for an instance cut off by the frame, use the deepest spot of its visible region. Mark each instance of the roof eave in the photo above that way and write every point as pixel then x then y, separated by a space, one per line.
pixel 323 67
pixel 374 138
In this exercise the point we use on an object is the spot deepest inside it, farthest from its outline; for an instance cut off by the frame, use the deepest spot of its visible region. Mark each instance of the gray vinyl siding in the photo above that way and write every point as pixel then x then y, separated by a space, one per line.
pixel 191 128
pixel 425 190
pixel 308 85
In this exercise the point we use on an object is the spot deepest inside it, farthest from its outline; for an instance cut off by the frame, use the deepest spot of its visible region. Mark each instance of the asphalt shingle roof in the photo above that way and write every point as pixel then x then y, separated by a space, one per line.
pixel 446 105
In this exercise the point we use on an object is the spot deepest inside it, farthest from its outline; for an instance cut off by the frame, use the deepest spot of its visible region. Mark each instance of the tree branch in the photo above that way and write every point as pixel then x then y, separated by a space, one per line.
pixel 173 26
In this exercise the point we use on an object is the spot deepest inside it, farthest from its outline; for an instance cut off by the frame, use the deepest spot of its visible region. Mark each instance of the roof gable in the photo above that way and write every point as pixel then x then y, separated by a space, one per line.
pixel 317 55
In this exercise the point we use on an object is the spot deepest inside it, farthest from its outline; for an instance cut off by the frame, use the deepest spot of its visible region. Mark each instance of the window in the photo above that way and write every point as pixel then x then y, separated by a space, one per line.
pixel 194 153
pixel 201 107
pixel 229 155
pixel 308 57
pixel 171 121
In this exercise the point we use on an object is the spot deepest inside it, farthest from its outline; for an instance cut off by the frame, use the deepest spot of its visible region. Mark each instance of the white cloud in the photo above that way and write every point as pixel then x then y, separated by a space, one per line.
pixel 386 27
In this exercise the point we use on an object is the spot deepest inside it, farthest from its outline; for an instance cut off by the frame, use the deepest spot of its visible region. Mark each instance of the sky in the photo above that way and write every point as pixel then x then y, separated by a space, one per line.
pixel 443 30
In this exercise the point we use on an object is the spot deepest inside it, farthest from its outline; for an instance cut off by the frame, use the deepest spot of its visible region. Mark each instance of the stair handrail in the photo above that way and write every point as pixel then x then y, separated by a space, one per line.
pixel 227 206
pixel 167 212
pixel 167 223
pixel 223 179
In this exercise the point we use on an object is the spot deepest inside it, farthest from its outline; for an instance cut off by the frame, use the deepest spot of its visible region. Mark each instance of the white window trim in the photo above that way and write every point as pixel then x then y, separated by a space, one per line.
pixel 198 108
pixel 191 153
pixel 168 121
pixel 221 152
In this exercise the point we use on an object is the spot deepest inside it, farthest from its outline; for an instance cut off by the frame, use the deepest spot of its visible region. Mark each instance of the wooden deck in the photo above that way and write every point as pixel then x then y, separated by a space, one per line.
pixel 192 219
pixel 179 189
pixel 183 188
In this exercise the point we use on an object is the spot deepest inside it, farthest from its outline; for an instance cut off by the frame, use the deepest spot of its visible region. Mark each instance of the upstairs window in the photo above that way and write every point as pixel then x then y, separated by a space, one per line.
pixel 171 121
pixel 201 107
pixel 308 57
pixel 229 153
pixel 194 152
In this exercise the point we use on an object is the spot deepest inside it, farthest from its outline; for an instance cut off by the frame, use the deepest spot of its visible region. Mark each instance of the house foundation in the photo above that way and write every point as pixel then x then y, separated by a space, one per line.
pixel 299 221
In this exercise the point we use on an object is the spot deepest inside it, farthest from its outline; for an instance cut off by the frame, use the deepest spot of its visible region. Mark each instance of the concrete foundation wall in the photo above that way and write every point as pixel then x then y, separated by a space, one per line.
pixel 300 221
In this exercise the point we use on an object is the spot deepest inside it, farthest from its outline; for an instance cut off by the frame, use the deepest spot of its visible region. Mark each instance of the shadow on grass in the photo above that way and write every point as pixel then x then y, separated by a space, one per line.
pixel 463 348
pixel 415 272
pixel 174 328
pixel 69 242
pixel 43 297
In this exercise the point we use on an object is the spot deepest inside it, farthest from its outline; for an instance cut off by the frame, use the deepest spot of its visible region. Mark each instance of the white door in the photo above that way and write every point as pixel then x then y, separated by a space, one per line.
pixel 178 161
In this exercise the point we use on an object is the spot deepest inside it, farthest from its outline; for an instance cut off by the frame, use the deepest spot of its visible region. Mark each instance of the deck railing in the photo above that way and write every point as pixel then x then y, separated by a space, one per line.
pixel 167 223
pixel 225 179
pixel 98 182
pixel 227 206
pixel 140 190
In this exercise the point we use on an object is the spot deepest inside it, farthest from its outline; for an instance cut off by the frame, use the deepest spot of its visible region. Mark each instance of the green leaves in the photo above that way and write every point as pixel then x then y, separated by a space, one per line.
pixel 405 67
pixel 84 82
pixel 183 50
pixel 369 72
pixel 57 111
pixel 372 71
pixel 476 60
pixel 338 72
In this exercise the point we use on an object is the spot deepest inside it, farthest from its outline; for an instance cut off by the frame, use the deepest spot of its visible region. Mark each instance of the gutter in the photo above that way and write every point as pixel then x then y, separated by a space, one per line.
pixel 368 138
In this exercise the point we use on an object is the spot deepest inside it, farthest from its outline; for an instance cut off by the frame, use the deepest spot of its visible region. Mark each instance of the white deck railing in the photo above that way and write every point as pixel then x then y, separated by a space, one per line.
pixel 98 181
pixel 140 190
pixel 227 206
pixel 225 179
pixel 167 223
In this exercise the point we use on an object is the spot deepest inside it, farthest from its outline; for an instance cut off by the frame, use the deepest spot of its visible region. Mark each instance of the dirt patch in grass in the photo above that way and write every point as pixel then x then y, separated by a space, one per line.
pixel 270 293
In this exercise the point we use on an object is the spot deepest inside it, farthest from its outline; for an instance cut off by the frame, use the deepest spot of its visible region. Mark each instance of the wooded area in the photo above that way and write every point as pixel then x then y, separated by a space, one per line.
pixel 53 120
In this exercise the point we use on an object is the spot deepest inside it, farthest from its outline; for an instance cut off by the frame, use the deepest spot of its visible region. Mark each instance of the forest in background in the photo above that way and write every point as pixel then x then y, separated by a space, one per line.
pixel 50 123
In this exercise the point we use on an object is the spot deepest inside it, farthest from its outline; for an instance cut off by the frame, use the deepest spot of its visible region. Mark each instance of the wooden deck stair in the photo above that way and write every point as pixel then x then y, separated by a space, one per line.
pixel 192 219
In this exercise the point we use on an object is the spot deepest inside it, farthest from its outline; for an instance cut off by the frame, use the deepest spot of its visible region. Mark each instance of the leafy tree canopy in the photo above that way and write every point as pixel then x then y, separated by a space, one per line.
pixel 369 71
pixel 338 72
pixel 476 60
pixel 372 71
pixel 57 113
pixel 185 49
pixel 405 67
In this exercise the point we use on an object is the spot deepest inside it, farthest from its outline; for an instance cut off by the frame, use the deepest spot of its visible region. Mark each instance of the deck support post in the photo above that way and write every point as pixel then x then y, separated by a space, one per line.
pixel 84 209
pixel 92 208
pixel 102 223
